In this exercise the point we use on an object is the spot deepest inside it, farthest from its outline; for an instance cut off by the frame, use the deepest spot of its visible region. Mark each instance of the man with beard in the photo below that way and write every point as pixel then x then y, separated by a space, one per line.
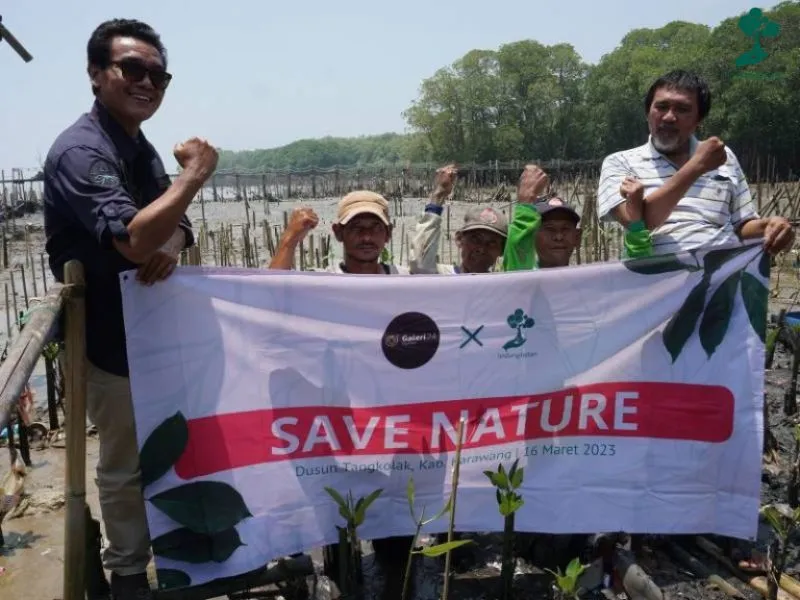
pixel 109 203
pixel 696 194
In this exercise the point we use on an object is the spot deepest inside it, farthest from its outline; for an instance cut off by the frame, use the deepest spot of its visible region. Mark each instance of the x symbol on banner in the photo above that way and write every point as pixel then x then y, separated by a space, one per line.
pixel 472 336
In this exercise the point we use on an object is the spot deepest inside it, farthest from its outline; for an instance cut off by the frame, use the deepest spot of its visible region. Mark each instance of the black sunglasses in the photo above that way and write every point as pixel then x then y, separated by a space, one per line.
pixel 135 71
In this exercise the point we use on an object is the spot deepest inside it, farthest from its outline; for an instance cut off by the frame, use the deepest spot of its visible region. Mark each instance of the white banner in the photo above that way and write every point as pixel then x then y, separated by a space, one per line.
pixel 631 393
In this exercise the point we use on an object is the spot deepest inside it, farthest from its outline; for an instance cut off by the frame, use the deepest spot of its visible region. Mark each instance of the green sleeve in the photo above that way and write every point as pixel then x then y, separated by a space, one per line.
pixel 520 251
pixel 638 244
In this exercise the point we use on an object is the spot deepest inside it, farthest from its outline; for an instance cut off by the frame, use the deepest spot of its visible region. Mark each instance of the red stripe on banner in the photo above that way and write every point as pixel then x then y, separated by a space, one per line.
pixel 672 411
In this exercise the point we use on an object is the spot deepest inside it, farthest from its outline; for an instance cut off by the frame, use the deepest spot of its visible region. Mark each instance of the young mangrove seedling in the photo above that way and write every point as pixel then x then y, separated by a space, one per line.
pixel 784 522
pixel 431 551
pixel 508 503
pixel 566 584
pixel 353 513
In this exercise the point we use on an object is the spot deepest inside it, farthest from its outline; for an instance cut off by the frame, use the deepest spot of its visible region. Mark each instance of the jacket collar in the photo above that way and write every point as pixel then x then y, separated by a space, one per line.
pixel 128 146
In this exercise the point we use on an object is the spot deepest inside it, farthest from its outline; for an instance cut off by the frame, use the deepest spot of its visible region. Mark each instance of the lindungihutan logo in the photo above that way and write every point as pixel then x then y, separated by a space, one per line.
pixel 758 27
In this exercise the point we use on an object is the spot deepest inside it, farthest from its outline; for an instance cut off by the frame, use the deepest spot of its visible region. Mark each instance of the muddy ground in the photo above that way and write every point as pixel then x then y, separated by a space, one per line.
pixel 31 563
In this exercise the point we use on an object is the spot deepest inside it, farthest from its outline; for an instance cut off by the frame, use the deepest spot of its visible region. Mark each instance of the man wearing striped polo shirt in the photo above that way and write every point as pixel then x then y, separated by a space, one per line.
pixel 696 193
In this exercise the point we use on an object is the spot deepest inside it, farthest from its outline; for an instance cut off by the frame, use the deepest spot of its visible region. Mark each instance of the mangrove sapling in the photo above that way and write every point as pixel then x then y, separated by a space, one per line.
pixel 430 551
pixel 354 513
pixel 566 584
pixel 508 503
pixel 784 522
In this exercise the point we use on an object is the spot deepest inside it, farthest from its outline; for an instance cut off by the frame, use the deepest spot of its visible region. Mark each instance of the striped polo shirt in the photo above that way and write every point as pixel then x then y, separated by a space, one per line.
pixel 708 215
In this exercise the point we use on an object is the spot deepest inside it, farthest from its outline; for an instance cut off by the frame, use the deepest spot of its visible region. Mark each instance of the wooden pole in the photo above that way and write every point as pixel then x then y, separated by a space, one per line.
pixel 24 353
pixel 75 408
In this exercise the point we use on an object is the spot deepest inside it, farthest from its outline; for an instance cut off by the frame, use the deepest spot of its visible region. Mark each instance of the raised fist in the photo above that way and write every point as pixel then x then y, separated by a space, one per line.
pixel 197 155
pixel 443 183
pixel 710 154
pixel 301 222
pixel 532 184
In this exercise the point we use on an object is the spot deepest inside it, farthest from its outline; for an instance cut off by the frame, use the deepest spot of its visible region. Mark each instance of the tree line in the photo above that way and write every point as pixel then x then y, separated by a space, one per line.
pixel 526 100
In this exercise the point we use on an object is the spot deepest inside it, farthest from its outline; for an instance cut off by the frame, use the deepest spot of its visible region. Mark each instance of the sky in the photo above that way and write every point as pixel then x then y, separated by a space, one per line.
pixel 259 74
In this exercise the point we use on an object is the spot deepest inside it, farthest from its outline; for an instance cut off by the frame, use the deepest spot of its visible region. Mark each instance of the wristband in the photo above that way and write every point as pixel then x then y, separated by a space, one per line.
pixel 434 208
pixel 636 226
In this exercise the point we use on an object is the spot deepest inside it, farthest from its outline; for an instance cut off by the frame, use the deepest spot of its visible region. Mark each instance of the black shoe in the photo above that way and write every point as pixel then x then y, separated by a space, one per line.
pixel 130 587
pixel 97 587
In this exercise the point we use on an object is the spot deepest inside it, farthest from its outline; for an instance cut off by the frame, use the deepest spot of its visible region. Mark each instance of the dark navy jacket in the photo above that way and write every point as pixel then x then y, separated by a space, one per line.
pixel 96 177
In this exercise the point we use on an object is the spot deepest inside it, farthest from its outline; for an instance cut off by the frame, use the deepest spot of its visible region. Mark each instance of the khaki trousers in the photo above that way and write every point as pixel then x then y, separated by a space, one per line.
pixel 110 408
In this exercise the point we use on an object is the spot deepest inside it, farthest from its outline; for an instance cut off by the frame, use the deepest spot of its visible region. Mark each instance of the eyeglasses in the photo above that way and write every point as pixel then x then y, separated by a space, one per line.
pixel 135 71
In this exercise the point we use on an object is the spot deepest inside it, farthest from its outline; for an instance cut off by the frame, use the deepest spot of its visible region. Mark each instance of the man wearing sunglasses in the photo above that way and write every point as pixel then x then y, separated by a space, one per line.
pixel 109 203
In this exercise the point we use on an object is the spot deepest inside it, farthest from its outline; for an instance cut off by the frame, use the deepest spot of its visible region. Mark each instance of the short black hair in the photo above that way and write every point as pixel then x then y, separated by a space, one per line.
pixel 98 50
pixel 687 81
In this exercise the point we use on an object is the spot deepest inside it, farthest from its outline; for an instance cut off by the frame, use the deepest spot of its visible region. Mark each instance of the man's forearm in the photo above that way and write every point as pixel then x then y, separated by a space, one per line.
pixel 660 204
pixel 283 258
pixel 155 224
pixel 752 229
pixel 176 243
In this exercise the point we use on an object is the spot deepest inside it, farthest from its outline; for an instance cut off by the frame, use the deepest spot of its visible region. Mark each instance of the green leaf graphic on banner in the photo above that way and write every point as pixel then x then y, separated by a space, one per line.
pixel 714 259
pixel 717 315
pixel 682 324
pixel 653 265
pixel 204 506
pixel 189 546
pixel 755 297
pixel 172 578
pixel 764 265
pixel 163 448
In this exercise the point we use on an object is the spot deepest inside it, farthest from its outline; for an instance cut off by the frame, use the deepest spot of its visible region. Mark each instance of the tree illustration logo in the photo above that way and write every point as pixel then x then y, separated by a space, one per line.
pixel 756 26
pixel 518 320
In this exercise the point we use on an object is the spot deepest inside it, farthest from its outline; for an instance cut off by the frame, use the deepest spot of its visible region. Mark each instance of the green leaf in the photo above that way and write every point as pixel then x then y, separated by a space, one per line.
pixel 410 497
pixel 682 324
pixel 516 478
pixel 337 497
pixel 764 265
pixel 499 497
pixel 363 505
pixel 501 477
pixel 574 569
pixel 163 447
pixel 654 265
pixel 717 315
pixel 714 259
pixel 511 503
pixel 513 469
pixel 172 578
pixel 773 517
pixel 439 549
pixel 204 506
pixel 755 297
pixel 189 546
pixel 445 509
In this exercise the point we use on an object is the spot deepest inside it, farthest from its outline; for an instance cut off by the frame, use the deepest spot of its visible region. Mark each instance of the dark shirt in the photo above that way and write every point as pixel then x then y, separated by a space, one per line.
pixel 96 178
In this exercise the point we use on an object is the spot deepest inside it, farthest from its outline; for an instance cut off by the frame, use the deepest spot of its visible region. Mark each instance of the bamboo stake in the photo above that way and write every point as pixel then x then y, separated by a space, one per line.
pixel 75 406
pixel 758 583
pixel 454 493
